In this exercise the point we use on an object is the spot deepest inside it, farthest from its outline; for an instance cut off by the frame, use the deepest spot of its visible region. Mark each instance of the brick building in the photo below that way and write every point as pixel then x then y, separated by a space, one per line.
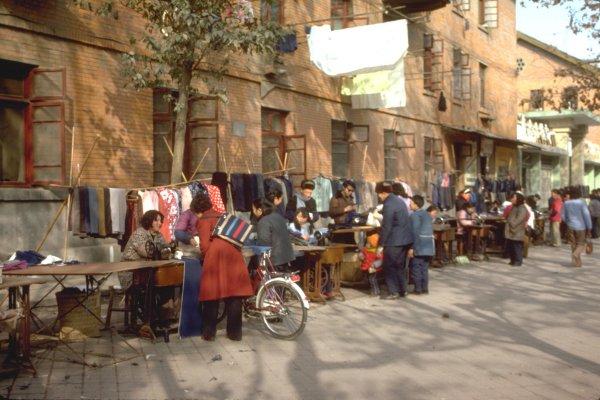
pixel 572 155
pixel 62 68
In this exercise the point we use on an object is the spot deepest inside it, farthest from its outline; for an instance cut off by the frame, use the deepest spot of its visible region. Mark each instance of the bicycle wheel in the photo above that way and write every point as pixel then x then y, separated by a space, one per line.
pixel 282 310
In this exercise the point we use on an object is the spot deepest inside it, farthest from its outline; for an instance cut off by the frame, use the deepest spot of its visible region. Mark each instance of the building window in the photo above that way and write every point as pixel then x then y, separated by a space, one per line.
pixel 570 98
pixel 32 114
pixel 536 99
pixel 461 75
pixel 428 61
pixel 341 14
pixel 482 78
pixel 273 139
pixel 389 154
pixel 481 12
pixel 201 133
pixel 271 11
pixel 340 148
pixel 461 5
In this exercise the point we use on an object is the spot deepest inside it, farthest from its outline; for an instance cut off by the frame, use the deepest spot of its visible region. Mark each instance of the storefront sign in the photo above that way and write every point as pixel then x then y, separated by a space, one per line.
pixel 534 132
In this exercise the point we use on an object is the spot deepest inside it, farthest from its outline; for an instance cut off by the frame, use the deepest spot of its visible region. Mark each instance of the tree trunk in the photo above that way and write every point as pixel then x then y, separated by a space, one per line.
pixel 181 126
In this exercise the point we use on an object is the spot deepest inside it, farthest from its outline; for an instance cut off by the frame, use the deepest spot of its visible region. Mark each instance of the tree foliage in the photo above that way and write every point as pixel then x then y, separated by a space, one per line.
pixel 584 20
pixel 188 39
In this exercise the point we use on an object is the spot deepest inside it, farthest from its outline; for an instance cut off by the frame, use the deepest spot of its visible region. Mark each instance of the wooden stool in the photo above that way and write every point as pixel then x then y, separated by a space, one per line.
pixel 126 309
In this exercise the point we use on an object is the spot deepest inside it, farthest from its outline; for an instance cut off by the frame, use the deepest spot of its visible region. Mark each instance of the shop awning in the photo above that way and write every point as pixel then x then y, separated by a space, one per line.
pixel 566 118
pixel 413 6
pixel 543 149
pixel 455 129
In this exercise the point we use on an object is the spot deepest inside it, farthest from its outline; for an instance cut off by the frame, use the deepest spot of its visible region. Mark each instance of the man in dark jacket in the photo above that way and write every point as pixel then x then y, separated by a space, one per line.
pixel 342 204
pixel 396 237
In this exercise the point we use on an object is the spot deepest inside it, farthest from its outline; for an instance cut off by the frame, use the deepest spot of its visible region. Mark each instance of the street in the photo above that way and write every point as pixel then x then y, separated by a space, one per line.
pixel 486 331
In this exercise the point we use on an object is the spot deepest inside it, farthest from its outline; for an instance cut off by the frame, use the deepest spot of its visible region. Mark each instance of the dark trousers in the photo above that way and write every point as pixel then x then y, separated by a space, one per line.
pixel 210 311
pixel 595 227
pixel 394 268
pixel 515 251
pixel 420 272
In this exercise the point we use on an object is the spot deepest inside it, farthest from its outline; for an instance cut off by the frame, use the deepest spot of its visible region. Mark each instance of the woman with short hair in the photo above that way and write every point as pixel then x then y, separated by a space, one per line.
pixel 224 275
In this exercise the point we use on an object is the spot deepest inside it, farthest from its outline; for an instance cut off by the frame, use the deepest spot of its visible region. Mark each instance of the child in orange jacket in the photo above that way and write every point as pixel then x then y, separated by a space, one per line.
pixel 372 257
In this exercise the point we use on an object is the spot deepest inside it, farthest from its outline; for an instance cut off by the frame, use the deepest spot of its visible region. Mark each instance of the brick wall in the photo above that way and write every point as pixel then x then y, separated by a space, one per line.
pixel 57 34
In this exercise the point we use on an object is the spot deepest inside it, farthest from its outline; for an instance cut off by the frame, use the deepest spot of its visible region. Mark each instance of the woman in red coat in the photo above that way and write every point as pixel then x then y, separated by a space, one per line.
pixel 224 276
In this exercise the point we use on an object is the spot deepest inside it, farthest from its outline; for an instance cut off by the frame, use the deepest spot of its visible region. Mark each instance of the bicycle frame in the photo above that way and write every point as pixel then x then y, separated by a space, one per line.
pixel 269 274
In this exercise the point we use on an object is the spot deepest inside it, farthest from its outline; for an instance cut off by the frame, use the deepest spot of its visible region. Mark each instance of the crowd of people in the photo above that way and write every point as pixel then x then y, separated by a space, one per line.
pixel 404 239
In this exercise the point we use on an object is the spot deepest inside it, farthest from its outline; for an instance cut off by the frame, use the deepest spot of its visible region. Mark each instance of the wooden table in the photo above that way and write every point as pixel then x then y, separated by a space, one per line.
pixel 444 234
pixel 497 222
pixel 18 292
pixel 477 232
pixel 93 285
pixel 318 257
pixel 354 229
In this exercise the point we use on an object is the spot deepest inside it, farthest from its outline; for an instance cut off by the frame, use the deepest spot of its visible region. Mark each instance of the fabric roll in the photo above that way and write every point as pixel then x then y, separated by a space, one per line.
pixel 219 179
pixel 168 206
pixel 149 200
pixel 249 191
pixel 186 199
pixel 84 210
pixel 101 211
pixel 107 212
pixel 237 192
pixel 133 214
pixel 322 193
pixel 261 185
pixel 215 198
pixel 118 210
pixel 93 210
pixel 75 219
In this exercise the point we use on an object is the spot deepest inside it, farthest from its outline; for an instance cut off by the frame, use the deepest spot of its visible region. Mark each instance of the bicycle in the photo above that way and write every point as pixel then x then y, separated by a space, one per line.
pixel 279 301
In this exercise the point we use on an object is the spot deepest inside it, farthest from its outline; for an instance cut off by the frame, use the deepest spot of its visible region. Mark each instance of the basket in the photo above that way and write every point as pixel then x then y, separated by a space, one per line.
pixel 76 323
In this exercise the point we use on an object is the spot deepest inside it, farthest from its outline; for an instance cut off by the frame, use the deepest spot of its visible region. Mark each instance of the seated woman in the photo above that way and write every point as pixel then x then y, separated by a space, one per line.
pixel 301 226
pixel 185 229
pixel 138 244
pixel 272 231
pixel 465 217
pixel 224 275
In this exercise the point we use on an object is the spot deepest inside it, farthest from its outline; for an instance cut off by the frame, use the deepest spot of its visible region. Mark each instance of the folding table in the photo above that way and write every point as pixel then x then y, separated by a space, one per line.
pixel 18 294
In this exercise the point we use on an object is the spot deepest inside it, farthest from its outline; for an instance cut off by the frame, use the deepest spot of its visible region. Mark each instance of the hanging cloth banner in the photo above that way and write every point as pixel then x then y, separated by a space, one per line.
pixel 358 50
pixel 382 89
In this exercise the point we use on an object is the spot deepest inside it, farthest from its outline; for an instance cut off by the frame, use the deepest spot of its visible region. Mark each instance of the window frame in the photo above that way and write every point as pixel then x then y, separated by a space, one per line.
pixel 267 17
pixel 536 97
pixel 483 70
pixel 346 17
pixel 280 135
pixel 344 141
pixel 29 102
pixel 569 94
pixel 428 61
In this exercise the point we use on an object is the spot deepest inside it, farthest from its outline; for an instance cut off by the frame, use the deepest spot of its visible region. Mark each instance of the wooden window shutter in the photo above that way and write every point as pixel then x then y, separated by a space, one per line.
pixel 295 149
pixel 491 13
pixel 47 143
pixel 466 83
pixel 48 156
pixel 202 137
pixel 437 64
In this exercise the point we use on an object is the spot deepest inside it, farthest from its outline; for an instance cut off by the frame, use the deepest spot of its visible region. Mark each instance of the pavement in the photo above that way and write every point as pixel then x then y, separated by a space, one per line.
pixel 486 331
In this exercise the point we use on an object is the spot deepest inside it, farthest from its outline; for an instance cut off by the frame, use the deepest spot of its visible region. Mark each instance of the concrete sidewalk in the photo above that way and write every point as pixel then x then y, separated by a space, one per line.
pixel 486 331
